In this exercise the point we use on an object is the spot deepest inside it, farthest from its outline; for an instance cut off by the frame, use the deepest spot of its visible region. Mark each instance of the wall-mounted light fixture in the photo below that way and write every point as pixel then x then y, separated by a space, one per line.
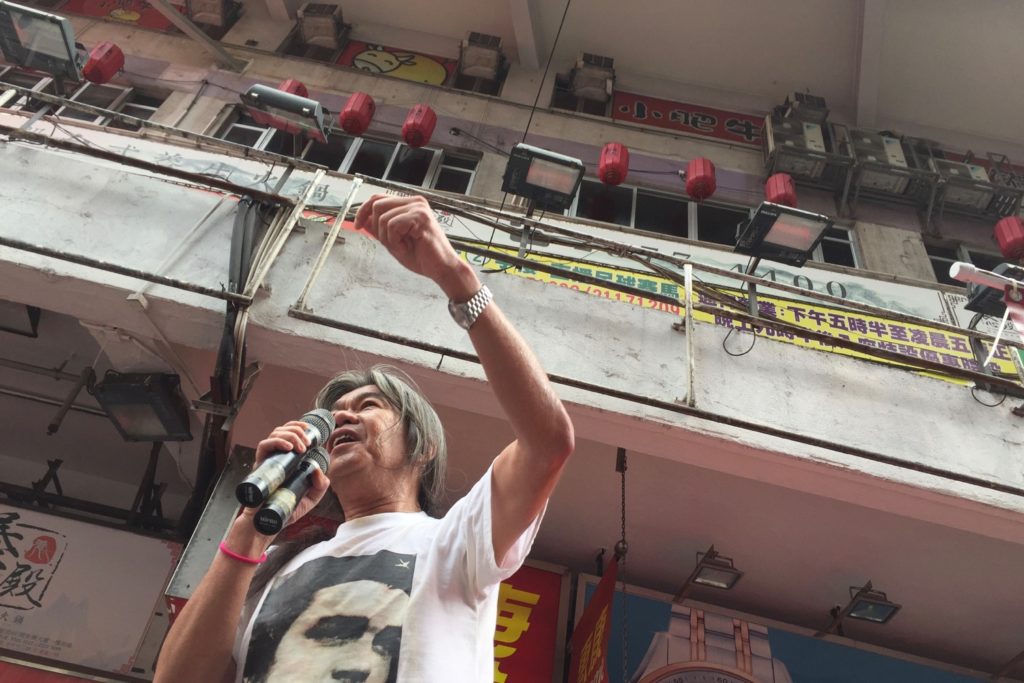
pixel 781 233
pixel 287 111
pixel 548 179
pixel 866 604
pixel 712 570
pixel 144 407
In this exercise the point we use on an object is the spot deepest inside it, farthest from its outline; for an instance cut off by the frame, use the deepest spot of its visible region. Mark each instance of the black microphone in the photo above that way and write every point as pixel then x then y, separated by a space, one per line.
pixel 275 513
pixel 265 479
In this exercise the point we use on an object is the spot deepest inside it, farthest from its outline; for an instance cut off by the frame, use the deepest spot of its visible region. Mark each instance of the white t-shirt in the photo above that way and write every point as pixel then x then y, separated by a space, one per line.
pixel 393 598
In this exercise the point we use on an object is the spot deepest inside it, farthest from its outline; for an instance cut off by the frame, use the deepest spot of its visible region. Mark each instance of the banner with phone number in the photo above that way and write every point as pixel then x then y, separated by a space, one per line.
pixel 915 341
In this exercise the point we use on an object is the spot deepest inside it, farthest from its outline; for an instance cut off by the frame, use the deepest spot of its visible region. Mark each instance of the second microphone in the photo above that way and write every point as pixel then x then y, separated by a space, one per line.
pixel 265 479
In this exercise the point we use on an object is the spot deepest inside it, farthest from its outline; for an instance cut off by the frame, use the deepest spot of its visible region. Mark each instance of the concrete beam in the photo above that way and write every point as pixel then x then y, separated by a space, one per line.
pixel 527 41
pixel 195 33
pixel 869 60
pixel 278 10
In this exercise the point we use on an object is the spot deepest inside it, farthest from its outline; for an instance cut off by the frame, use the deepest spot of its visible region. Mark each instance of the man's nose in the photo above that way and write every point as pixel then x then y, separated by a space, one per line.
pixel 343 417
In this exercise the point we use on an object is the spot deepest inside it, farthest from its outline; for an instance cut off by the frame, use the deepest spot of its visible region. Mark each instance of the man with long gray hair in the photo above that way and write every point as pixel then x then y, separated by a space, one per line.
pixel 396 595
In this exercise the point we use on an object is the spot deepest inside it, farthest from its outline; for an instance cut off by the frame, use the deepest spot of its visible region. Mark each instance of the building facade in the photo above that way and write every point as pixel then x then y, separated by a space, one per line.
pixel 836 431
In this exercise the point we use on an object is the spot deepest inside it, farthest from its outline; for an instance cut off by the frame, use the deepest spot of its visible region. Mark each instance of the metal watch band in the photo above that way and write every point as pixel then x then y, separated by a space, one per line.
pixel 465 314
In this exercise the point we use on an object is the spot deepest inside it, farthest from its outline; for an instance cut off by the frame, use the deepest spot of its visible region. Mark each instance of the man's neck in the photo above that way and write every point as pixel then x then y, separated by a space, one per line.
pixel 365 508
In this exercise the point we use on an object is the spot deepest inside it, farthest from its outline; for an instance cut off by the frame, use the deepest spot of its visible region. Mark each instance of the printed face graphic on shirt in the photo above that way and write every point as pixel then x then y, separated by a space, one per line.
pixel 333 619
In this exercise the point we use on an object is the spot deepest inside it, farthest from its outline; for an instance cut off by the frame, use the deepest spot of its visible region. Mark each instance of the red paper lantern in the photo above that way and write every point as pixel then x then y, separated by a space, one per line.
pixel 105 60
pixel 1009 233
pixel 419 126
pixel 355 118
pixel 294 87
pixel 780 190
pixel 700 178
pixel 614 164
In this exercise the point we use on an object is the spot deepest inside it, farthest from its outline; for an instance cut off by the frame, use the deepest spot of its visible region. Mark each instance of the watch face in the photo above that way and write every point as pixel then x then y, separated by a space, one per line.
pixel 697 673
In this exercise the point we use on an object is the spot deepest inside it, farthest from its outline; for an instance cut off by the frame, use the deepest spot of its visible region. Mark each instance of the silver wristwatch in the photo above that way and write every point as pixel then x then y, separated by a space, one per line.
pixel 466 314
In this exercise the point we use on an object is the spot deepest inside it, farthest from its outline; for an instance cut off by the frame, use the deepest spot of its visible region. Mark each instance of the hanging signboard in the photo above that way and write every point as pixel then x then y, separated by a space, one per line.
pixel 744 129
pixel 77 593
pixel 671 643
pixel 410 66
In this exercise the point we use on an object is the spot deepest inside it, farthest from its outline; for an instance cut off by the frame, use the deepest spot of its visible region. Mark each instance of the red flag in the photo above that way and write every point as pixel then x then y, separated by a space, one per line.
pixel 589 662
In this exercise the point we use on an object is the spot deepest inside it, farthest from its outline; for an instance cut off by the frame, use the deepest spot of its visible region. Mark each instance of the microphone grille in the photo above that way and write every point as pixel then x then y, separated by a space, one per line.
pixel 322 420
pixel 319 456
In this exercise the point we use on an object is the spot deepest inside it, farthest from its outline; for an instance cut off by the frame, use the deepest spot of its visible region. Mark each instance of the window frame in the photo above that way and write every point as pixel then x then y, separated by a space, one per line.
pixel 692 229
pixel 963 253
pixel 41 85
pixel 819 253
pixel 433 172
pixel 115 105
pixel 123 99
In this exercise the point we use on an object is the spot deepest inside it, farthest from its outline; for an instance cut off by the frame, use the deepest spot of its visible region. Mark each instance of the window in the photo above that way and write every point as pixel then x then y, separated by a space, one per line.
pixel 635 207
pixel 139 105
pixel 25 79
pixel 562 98
pixel 718 224
pixel 243 130
pixel 385 159
pixel 95 95
pixel 836 247
pixel 124 99
pixel 943 256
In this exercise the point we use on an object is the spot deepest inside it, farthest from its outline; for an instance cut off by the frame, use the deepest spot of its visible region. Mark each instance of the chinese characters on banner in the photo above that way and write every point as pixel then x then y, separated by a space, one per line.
pixel 915 341
pixel 589 663
pixel 30 556
pixel 75 592
pixel 744 129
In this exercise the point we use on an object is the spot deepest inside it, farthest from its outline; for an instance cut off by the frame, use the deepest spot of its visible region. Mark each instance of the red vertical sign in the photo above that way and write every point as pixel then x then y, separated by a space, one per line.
pixel 526 635
pixel 589 662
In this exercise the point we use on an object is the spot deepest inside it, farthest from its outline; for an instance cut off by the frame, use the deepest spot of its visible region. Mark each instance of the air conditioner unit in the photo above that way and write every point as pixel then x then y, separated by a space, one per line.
pixel 210 12
pixel 320 25
pixel 966 185
pixel 806 107
pixel 880 150
pixel 593 77
pixel 796 146
pixel 480 56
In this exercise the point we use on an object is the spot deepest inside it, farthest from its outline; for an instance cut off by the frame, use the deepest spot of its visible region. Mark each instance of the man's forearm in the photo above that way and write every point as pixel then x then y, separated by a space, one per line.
pixel 198 646
pixel 517 379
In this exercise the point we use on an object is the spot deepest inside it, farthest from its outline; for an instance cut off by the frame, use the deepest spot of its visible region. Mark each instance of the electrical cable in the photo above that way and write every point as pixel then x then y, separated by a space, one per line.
pixel 536 99
pixel 987 405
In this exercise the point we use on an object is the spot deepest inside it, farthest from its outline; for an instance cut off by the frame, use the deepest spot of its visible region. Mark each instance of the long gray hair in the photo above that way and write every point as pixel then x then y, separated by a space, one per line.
pixel 424 435
pixel 425 444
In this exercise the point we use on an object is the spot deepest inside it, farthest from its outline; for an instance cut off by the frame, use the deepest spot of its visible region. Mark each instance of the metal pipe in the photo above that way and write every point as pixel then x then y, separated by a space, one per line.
pixel 275 242
pixel 198 179
pixel 678 408
pixel 23 493
pixel 185 25
pixel 49 401
pixel 122 270
pixel 39 370
pixel 691 400
pixel 145 125
pixel 325 250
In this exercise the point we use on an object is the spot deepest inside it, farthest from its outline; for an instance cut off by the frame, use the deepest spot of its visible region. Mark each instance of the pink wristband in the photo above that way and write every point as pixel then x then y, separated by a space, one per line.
pixel 242 558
